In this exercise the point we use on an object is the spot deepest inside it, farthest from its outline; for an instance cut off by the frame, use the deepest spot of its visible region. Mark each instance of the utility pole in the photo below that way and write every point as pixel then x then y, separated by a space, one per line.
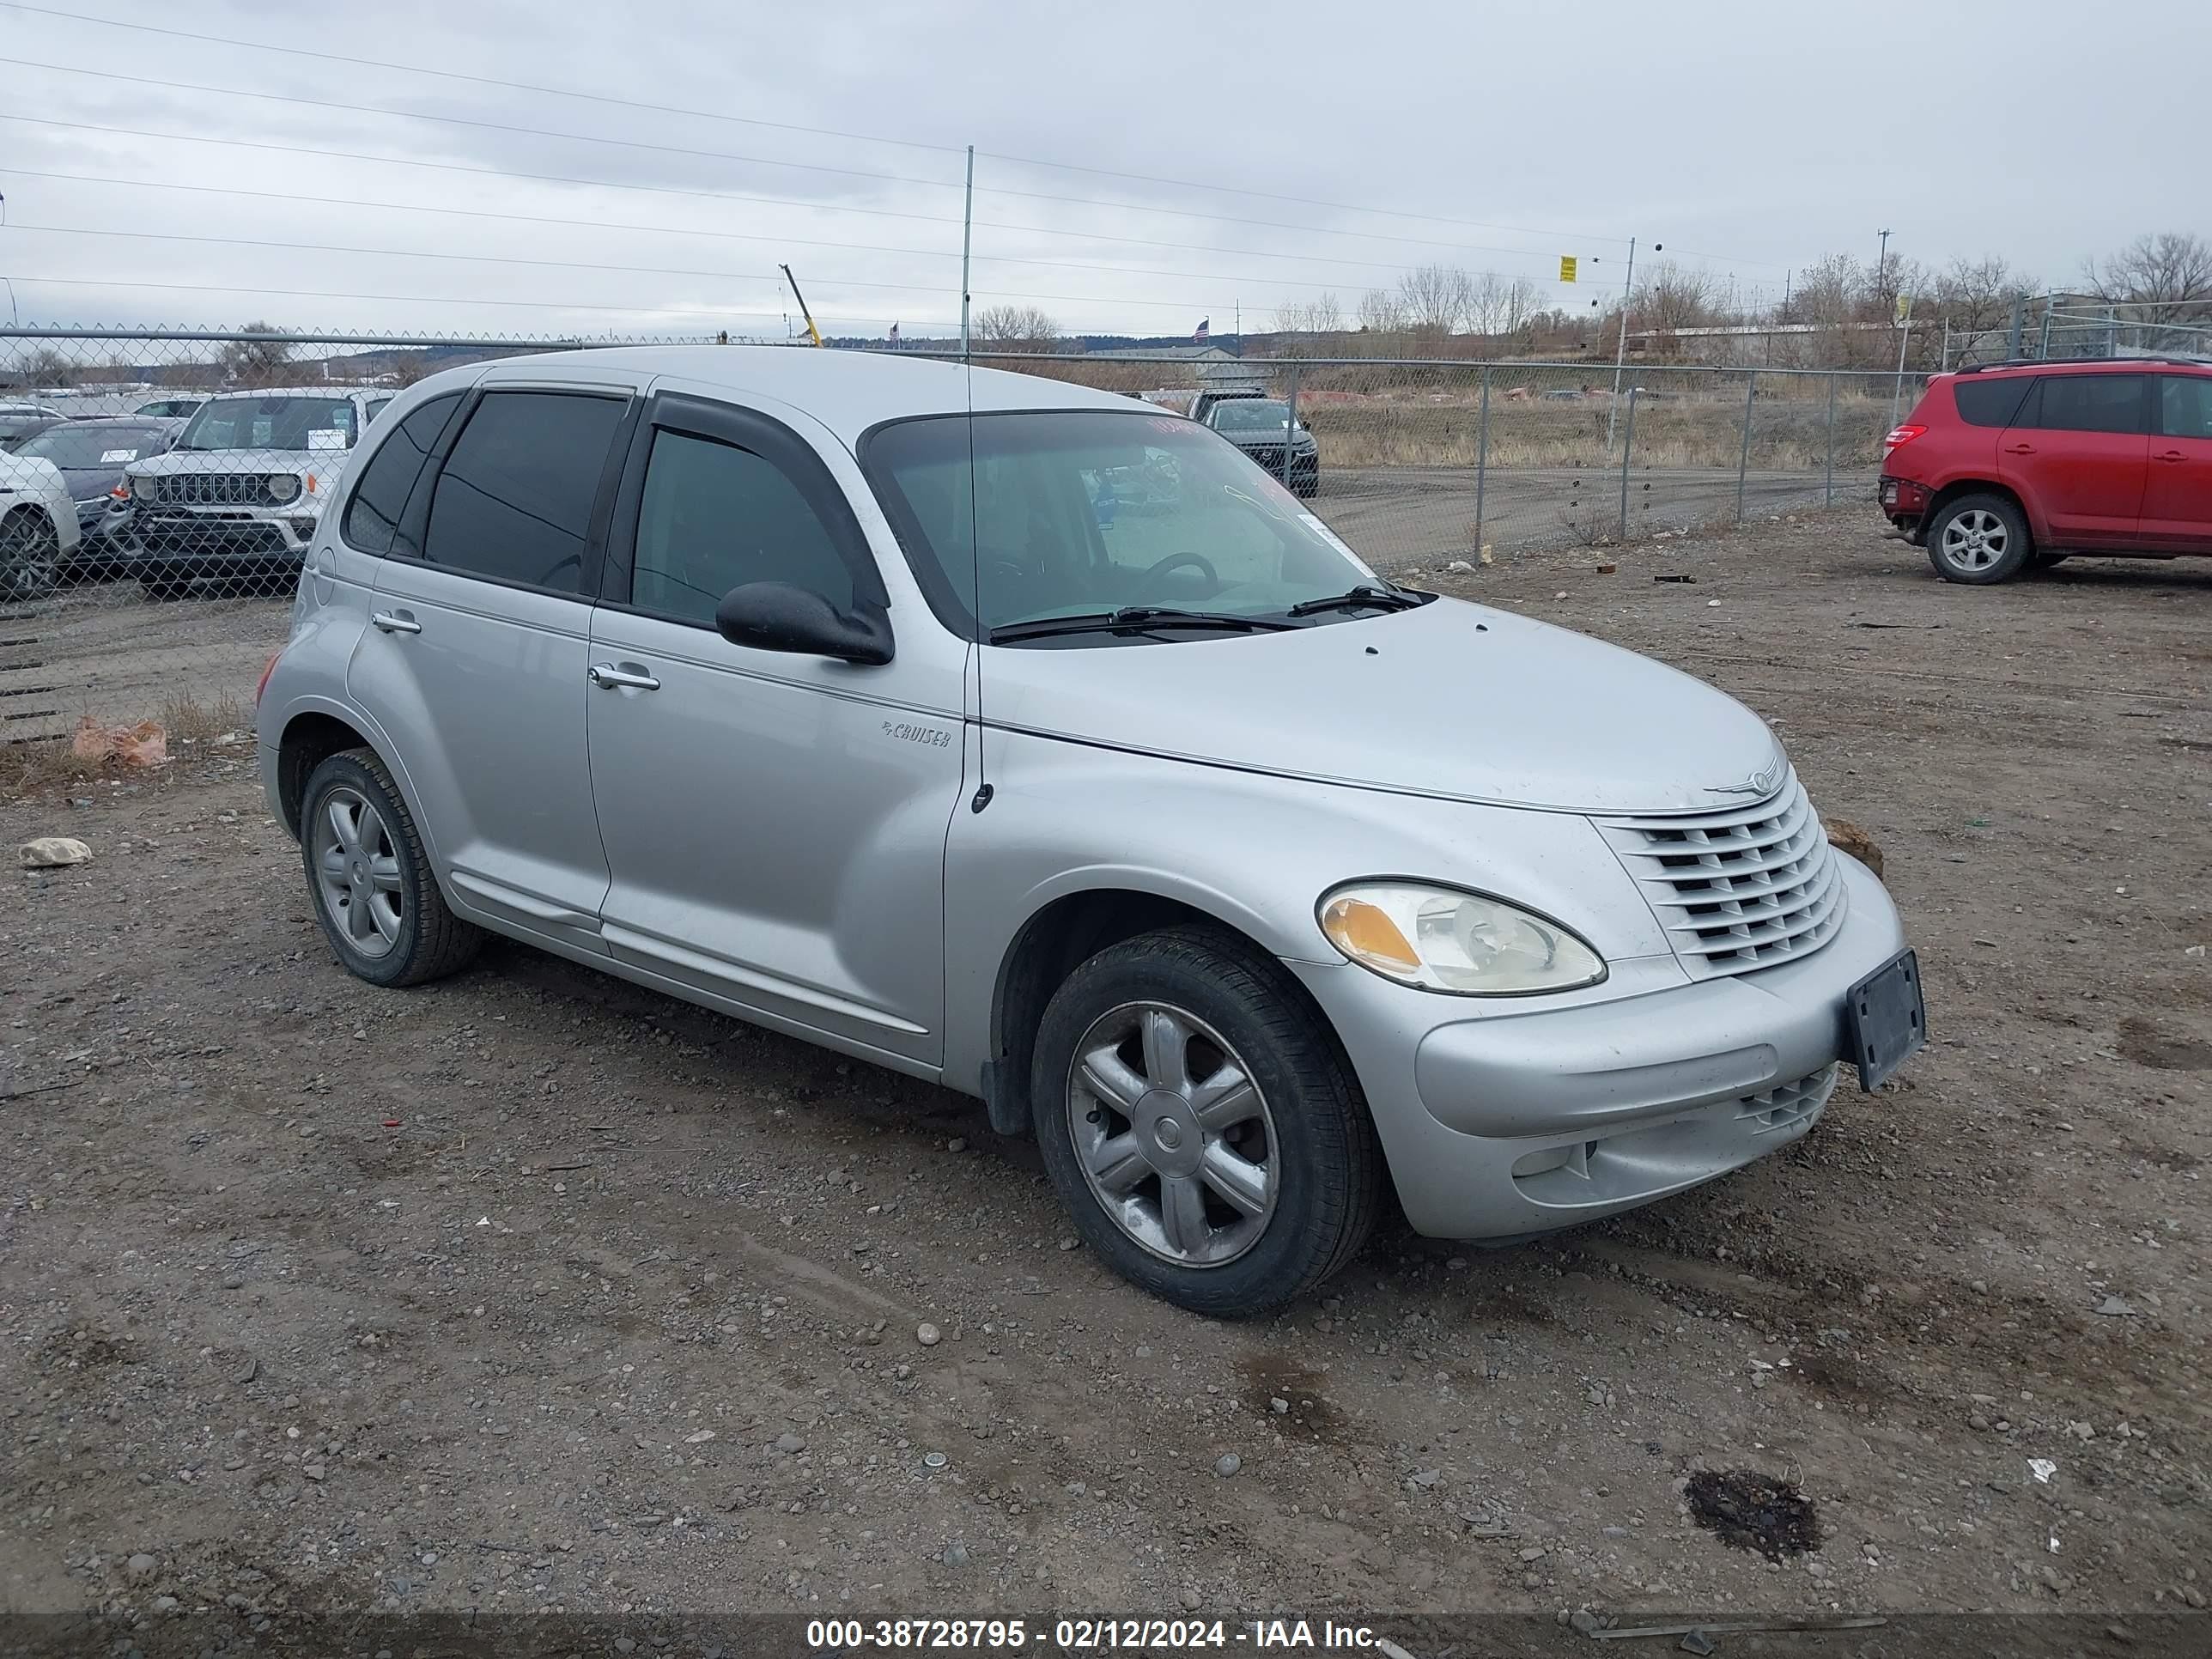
pixel 1881 266
pixel 1621 354
pixel 967 232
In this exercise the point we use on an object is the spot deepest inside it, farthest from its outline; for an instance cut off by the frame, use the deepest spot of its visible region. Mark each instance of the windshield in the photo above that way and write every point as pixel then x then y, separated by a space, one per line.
pixel 1250 415
pixel 89 448
pixel 250 422
pixel 1070 512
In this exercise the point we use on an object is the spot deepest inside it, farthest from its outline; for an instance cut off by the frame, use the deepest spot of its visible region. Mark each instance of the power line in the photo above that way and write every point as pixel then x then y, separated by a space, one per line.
pixel 328 153
pixel 765 160
pixel 573 264
pixel 434 299
pixel 292 197
pixel 785 126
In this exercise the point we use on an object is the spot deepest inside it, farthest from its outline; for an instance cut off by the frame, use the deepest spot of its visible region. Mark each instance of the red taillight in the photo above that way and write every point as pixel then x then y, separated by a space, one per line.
pixel 1900 435
pixel 268 668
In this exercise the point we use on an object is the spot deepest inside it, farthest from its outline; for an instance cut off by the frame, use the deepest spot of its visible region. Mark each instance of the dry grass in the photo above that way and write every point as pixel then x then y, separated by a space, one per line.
pixel 50 765
pixel 187 719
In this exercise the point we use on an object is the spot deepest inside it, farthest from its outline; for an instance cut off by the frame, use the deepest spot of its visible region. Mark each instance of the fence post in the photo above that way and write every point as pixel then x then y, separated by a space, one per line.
pixel 1830 500
pixel 1482 457
pixel 1291 430
pixel 1743 462
pixel 1627 444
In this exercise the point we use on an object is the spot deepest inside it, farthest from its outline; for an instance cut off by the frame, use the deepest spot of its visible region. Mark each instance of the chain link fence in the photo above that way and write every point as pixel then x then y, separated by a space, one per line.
pixel 163 486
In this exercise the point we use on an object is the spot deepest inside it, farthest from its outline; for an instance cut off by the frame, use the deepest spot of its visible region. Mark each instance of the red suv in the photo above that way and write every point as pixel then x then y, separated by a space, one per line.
pixel 2014 466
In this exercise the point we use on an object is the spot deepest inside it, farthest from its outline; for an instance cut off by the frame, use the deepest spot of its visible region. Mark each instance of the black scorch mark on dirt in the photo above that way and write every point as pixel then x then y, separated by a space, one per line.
pixel 1754 1511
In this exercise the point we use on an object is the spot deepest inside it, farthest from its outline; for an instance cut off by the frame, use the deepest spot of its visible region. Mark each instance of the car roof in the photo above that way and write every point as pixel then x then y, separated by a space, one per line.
pixel 283 392
pixel 848 391
pixel 2091 366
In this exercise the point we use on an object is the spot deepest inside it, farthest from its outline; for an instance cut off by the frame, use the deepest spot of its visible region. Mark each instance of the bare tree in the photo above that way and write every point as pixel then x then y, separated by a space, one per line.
pixel 1676 298
pixel 1978 295
pixel 2166 278
pixel 1382 311
pixel 254 362
pixel 1323 314
pixel 1435 298
pixel 44 367
pixel 1015 328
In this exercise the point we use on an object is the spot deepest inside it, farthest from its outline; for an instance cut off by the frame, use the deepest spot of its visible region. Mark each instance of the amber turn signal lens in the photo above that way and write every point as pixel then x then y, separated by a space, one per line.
pixel 1365 933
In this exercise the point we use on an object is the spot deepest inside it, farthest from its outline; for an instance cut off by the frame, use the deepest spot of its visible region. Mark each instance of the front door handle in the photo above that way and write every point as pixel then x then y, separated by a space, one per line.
pixel 2020 449
pixel 2169 455
pixel 613 678
pixel 395 622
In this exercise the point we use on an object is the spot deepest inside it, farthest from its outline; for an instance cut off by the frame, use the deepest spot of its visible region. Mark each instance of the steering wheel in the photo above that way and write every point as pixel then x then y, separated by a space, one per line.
pixel 1176 561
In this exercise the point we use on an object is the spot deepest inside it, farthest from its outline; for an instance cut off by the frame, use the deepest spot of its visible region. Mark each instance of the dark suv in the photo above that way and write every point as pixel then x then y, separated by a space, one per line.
pixel 2016 465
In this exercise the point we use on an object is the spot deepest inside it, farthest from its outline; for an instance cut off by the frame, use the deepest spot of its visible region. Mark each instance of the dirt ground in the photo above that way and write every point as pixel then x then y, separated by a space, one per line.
pixel 531 1290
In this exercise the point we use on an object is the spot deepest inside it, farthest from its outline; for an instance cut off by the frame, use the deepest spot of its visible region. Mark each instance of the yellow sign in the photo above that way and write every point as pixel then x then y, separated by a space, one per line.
pixel 1566 267
pixel 1903 306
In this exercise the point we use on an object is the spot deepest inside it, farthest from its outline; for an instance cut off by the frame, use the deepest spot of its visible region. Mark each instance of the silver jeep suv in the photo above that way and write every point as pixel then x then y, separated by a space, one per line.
pixel 1026 740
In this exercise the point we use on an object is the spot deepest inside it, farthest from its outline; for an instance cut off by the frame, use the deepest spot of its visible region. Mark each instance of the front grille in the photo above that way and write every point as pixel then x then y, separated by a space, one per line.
pixel 214 536
pixel 1271 458
pixel 1737 890
pixel 206 489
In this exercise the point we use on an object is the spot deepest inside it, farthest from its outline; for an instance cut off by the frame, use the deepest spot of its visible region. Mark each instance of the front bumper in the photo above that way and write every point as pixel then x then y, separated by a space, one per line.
pixel 211 539
pixel 1524 1120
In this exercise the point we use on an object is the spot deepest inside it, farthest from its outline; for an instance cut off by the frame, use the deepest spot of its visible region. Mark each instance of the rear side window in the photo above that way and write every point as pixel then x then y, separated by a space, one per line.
pixel 513 501
pixel 2088 403
pixel 372 515
pixel 715 516
pixel 1990 402
pixel 2184 405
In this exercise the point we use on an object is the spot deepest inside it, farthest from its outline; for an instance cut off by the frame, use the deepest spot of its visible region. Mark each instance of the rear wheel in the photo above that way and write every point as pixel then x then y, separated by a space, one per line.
pixel 1206 1136
pixel 1979 540
pixel 30 556
pixel 370 879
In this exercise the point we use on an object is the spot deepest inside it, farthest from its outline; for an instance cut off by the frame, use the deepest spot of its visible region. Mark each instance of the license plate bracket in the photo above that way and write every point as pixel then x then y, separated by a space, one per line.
pixel 1885 1020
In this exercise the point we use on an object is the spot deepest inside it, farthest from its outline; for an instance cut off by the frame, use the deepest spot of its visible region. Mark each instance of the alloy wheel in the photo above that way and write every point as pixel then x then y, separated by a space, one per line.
pixel 1173 1138
pixel 357 872
pixel 1974 540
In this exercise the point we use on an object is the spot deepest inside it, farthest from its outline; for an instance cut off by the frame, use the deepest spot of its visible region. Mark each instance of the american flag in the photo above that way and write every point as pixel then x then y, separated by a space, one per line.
pixel 894 334
pixel 1197 335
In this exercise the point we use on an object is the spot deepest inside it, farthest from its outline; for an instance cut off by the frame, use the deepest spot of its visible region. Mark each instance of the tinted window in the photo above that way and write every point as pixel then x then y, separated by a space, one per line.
pixel 377 406
pixel 1250 415
pixel 715 516
pixel 373 516
pixel 1990 402
pixel 514 499
pixel 2090 402
pixel 2184 405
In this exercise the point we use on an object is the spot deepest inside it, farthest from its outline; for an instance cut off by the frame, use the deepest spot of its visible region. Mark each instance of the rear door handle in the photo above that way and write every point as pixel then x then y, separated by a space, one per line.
pixel 612 678
pixel 2169 455
pixel 395 622
pixel 2020 449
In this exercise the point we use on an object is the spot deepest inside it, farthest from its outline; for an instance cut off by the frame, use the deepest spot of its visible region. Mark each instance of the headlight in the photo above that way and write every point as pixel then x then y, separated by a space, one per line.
pixel 282 487
pixel 1440 938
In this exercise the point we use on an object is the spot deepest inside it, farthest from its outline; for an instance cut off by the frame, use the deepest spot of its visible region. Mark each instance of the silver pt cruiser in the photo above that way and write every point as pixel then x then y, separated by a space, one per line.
pixel 1032 741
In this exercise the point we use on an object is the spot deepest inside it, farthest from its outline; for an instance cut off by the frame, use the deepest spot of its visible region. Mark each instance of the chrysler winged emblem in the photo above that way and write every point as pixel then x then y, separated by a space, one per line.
pixel 1759 783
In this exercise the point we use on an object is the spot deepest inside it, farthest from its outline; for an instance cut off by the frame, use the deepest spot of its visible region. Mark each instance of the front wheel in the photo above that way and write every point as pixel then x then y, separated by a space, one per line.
pixel 1201 1125
pixel 1979 540
pixel 30 557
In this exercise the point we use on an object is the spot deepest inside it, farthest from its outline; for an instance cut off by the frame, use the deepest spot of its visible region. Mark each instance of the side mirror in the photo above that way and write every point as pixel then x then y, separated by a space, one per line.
pixel 782 616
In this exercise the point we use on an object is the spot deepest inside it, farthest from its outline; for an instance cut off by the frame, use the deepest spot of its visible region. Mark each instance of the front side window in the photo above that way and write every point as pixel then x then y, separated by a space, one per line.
pixel 513 501
pixel 715 516
pixel 371 517
pixel 2184 405
pixel 251 422
pixel 1018 518
pixel 2090 402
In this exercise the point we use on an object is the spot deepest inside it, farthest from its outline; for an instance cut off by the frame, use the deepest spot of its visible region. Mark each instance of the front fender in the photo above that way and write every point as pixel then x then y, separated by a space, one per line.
pixel 1252 851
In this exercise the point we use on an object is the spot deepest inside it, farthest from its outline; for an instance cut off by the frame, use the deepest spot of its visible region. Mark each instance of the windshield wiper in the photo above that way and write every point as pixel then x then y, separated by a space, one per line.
pixel 1133 618
pixel 1362 598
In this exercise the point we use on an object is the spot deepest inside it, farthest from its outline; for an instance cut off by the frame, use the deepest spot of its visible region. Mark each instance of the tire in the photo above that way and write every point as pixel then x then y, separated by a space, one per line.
pixel 371 883
pixel 1979 540
pixel 1296 1143
pixel 30 557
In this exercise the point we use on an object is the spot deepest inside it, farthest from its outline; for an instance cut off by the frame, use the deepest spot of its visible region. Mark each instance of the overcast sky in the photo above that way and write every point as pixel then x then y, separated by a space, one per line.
pixel 1749 139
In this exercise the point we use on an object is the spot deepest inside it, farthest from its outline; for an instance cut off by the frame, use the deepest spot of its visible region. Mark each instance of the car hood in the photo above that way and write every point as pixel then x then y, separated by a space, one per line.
pixel 1456 701
pixel 327 462
pixel 87 482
